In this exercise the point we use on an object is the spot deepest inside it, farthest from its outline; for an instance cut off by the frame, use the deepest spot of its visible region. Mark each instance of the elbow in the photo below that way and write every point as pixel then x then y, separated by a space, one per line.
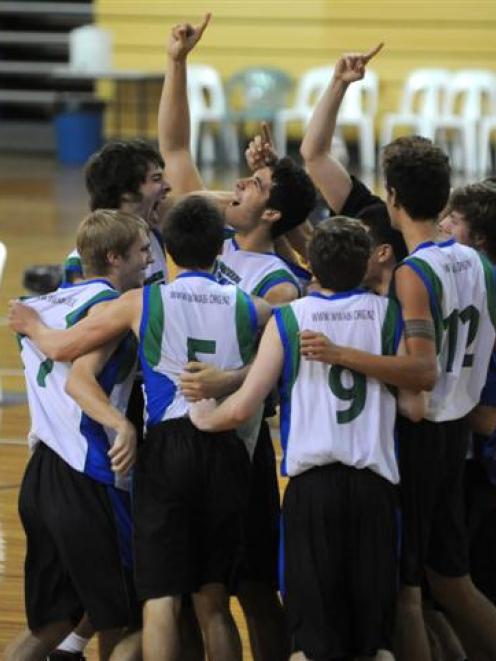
pixel 70 386
pixel 241 413
pixel 429 379
pixel 62 355
pixel 307 152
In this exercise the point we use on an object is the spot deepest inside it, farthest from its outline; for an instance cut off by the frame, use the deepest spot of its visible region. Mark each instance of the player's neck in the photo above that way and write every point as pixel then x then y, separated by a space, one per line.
pixel 111 278
pixel 255 241
pixel 417 232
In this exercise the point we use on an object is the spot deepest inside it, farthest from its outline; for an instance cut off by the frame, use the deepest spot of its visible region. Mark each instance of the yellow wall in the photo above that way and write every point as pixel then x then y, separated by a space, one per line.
pixel 297 35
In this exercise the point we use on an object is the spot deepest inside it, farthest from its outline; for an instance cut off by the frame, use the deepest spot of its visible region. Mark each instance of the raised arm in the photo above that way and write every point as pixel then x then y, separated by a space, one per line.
pixel 326 172
pixel 173 112
pixel 108 321
pixel 417 370
pixel 82 385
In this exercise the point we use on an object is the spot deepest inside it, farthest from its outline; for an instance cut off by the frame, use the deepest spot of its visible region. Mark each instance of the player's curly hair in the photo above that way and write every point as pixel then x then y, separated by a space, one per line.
pixel 119 168
pixel 292 194
pixel 339 252
pixel 419 172
pixel 477 204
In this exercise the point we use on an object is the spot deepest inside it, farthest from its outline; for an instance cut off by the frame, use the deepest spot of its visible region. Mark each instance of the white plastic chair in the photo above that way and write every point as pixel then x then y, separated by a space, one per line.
pixel 311 86
pixel 470 92
pixel 487 127
pixel 207 106
pixel 422 101
pixel 358 110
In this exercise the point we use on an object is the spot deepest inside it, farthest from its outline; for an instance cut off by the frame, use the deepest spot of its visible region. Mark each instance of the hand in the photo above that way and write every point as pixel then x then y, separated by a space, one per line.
pixel 351 66
pixel 260 152
pixel 22 318
pixel 184 38
pixel 122 454
pixel 199 413
pixel 202 381
pixel 317 346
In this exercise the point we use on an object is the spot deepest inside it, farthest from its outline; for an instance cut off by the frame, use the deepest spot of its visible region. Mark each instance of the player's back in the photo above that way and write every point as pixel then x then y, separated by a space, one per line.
pixel 329 413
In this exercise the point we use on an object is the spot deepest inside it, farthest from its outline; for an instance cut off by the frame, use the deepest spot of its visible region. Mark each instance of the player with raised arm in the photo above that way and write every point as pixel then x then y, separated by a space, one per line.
pixel 276 198
pixel 446 292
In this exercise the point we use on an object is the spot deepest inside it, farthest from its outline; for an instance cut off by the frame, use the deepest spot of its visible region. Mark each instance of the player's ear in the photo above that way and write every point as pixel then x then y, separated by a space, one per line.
pixel 271 215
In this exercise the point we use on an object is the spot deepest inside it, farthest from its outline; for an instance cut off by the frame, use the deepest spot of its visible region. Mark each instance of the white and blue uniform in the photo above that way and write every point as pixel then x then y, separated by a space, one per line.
pixel 56 419
pixel 256 273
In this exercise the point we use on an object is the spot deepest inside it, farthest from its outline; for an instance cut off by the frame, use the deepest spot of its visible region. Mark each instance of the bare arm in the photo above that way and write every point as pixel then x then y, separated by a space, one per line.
pixel 326 172
pixel 83 387
pixel 173 112
pixel 244 403
pixel 281 294
pixel 107 322
pixel 417 370
pixel 412 405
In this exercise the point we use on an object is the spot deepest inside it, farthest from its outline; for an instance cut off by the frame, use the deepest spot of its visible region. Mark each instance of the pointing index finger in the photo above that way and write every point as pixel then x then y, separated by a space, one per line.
pixel 372 53
pixel 266 133
pixel 204 23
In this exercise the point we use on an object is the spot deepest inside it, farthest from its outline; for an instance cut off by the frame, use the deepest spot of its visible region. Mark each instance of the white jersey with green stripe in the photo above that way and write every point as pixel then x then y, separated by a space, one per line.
pixel 193 318
pixel 328 413
pixel 462 295
pixel 155 272
pixel 255 272
pixel 56 419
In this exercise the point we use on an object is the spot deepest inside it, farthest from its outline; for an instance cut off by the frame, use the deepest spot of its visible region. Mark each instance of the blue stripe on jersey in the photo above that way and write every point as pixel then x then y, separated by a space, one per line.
pixel 488 394
pixel 339 295
pixel 121 505
pixel 97 464
pixel 447 243
pixel 284 389
pixel 160 392
pixel 159 237
pixel 197 274
pixel 425 244
pixel 277 281
pixel 159 389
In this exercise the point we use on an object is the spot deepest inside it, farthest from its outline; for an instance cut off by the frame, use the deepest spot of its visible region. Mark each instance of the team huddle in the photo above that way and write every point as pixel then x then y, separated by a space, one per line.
pixel 151 496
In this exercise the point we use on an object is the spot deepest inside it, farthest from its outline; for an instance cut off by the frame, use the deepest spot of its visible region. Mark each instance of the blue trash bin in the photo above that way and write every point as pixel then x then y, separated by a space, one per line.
pixel 78 128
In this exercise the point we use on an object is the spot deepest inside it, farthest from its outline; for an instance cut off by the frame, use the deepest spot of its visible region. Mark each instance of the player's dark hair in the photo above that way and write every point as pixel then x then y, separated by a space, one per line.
pixel 376 218
pixel 419 172
pixel 194 232
pixel 119 168
pixel 292 194
pixel 339 252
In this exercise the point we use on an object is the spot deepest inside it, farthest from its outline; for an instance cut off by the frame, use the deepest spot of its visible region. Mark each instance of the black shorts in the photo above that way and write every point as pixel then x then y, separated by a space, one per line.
pixel 480 497
pixel 432 462
pixel 78 546
pixel 262 520
pixel 341 548
pixel 190 490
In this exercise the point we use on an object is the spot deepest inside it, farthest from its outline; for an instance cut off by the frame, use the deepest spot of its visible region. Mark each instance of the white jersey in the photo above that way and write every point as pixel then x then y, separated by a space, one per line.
pixel 192 318
pixel 56 419
pixel 462 294
pixel 155 272
pixel 329 413
pixel 254 272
